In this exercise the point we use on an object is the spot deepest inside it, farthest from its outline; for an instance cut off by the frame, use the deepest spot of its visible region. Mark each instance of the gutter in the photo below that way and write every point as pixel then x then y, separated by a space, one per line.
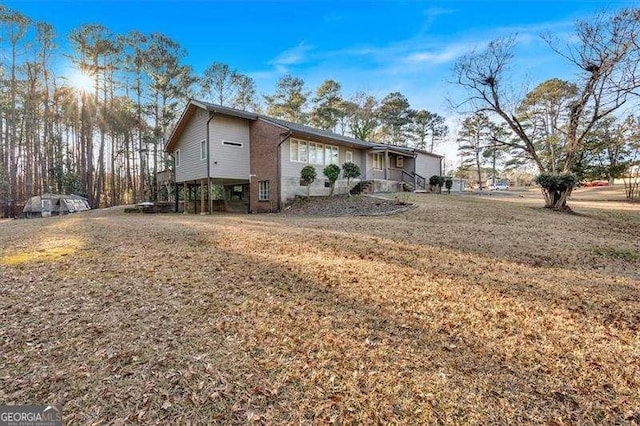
pixel 212 114
pixel 288 135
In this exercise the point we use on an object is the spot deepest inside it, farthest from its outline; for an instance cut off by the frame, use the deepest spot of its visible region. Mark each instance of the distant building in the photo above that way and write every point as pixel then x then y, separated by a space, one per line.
pixel 46 205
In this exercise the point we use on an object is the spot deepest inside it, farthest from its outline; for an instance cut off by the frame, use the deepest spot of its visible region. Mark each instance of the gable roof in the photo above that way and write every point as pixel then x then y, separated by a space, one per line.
pixel 304 130
pixel 296 129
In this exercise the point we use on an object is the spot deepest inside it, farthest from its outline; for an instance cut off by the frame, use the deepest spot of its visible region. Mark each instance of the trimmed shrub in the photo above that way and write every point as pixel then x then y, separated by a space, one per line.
pixel 436 183
pixel 308 176
pixel 556 188
pixel 332 172
pixel 350 171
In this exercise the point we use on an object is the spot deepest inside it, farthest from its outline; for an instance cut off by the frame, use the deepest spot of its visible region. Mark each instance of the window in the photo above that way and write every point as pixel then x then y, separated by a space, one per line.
pixel 263 193
pixel 176 157
pixel 203 150
pixel 316 153
pixel 399 162
pixel 378 161
pixel 330 154
pixel 233 144
pixel 348 156
pixel 298 150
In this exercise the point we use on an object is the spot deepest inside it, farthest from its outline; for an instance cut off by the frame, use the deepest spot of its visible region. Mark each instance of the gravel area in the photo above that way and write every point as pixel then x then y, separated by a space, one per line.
pixel 343 205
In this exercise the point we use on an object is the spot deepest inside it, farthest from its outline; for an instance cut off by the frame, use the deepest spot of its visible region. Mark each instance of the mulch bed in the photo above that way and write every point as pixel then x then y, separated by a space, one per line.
pixel 343 205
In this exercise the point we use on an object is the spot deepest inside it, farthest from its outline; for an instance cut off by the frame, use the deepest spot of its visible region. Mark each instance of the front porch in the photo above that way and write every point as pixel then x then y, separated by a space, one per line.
pixel 395 167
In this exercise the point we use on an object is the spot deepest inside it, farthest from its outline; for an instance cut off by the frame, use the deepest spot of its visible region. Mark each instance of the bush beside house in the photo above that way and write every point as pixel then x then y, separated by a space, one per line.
pixel 332 172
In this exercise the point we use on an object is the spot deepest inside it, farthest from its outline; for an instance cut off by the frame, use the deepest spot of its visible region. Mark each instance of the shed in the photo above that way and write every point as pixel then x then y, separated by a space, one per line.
pixel 46 205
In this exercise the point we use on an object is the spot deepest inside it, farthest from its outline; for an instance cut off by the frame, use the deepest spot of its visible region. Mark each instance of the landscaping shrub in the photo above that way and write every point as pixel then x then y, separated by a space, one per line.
pixel 448 183
pixel 556 188
pixel 350 171
pixel 436 182
pixel 307 176
pixel 332 172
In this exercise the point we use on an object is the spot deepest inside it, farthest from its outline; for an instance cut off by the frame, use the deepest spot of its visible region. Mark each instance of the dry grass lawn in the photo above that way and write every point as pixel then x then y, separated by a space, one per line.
pixel 464 310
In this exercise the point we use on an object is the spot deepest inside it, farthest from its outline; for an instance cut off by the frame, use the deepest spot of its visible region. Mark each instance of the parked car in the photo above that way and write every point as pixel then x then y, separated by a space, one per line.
pixel 595 183
pixel 499 187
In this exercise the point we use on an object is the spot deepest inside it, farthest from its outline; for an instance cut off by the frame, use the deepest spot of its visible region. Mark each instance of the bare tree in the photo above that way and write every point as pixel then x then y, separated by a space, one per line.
pixel 606 55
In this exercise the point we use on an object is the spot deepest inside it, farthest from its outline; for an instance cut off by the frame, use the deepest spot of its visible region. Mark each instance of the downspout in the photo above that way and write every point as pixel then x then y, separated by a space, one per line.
pixel 288 135
pixel 176 187
pixel 209 200
pixel 415 178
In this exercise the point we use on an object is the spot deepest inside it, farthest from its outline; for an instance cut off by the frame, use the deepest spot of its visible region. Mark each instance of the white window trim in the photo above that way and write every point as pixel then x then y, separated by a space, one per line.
pixel 318 147
pixel 268 190
pixel 378 154
pixel 348 152
pixel 331 148
pixel 203 152
pixel 298 142
pixel 232 144
pixel 176 157
pixel 400 159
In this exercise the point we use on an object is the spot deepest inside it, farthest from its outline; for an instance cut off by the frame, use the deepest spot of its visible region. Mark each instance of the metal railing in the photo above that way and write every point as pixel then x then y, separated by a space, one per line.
pixel 408 178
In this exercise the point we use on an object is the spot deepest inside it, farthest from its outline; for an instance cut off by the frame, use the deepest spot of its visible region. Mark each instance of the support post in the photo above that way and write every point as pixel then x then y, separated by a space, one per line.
pixel 186 197
pixel 202 205
pixel 386 164
pixel 209 199
pixel 176 187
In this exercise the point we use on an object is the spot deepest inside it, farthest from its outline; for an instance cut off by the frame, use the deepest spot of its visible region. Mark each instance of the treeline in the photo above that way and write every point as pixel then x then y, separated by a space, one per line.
pixel 99 130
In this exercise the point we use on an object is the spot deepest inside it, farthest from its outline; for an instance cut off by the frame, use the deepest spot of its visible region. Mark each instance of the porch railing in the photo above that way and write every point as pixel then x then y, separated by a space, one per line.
pixel 414 179
pixel 408 178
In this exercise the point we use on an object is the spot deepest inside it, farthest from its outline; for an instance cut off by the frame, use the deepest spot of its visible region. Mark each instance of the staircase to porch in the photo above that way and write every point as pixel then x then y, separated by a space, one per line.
pixel 362 186
pixel 412 182
pixel 408 187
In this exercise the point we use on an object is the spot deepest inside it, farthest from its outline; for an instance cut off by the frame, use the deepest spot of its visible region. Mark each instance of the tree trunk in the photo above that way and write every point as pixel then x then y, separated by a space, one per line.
pixel 557 200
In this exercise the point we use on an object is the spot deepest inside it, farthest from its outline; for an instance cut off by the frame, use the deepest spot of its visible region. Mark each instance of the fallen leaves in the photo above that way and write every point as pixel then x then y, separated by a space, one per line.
pixel 458 311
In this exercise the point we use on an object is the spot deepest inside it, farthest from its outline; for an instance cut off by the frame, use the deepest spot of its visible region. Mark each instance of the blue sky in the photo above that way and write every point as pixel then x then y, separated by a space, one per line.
pixel 377 47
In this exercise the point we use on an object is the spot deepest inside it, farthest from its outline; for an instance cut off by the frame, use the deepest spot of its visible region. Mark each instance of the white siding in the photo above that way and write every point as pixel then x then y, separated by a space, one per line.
pixel 229 161
pixel 192 167
pixel 427 166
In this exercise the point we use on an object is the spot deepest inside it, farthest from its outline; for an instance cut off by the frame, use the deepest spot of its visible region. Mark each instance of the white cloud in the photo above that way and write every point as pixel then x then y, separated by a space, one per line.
pixel 441 56
pixel 292 56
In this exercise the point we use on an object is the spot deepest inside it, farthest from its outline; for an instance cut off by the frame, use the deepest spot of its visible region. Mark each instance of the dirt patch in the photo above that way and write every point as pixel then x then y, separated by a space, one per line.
pixel 343 205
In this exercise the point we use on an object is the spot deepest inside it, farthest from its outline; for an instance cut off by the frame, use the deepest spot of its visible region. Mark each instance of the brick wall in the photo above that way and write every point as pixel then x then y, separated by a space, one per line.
pixel 264 165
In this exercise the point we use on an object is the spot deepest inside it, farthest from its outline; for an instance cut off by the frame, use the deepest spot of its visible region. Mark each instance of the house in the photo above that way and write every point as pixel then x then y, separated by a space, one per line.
pixel 252 162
